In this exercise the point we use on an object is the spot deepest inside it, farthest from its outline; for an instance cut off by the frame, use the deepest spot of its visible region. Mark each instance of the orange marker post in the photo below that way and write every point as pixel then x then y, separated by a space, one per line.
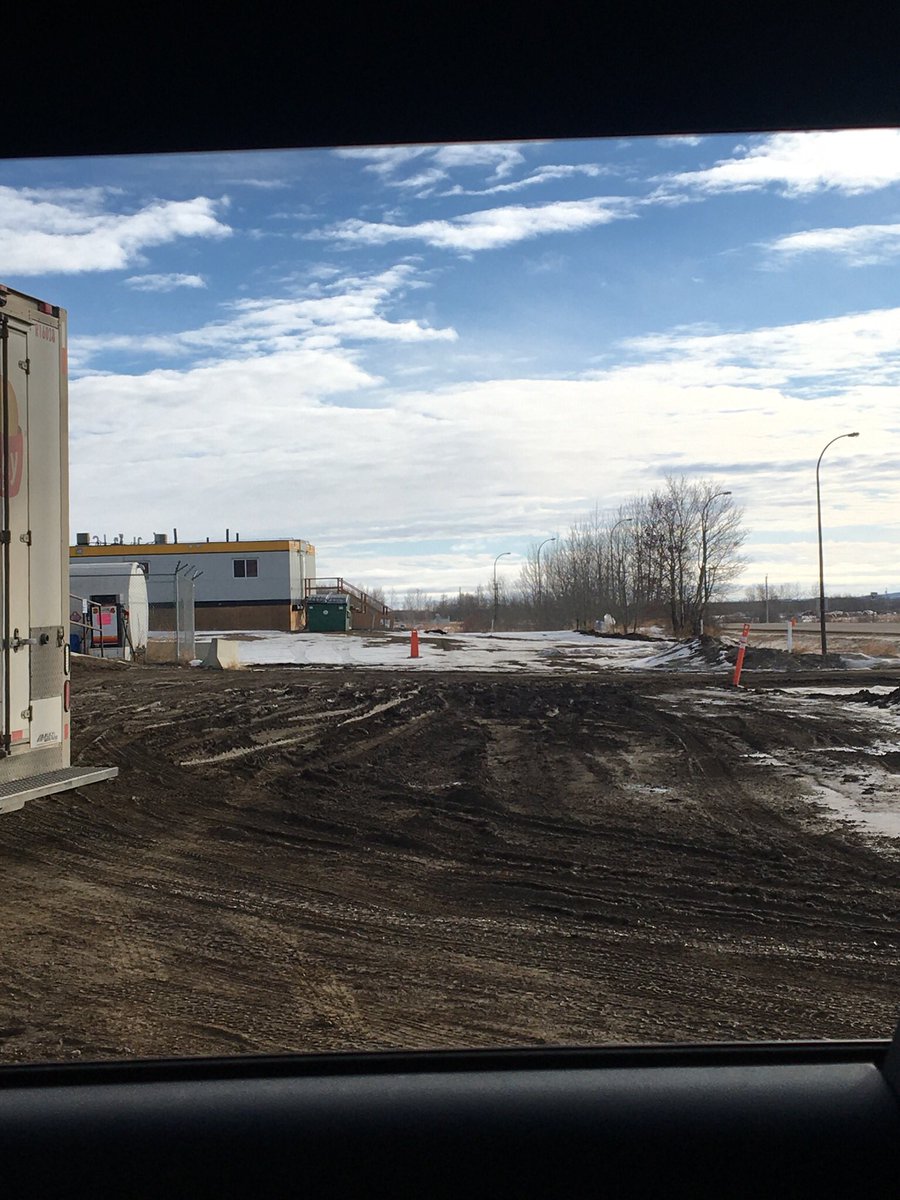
pixel 742 650
pixel 414 643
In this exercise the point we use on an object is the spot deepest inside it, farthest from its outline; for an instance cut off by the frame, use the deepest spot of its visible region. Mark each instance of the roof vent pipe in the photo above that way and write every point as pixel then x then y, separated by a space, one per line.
pixel 227 535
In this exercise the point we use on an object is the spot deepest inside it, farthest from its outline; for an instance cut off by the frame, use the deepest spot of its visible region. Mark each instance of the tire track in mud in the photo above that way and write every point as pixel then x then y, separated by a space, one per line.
pixel 469 860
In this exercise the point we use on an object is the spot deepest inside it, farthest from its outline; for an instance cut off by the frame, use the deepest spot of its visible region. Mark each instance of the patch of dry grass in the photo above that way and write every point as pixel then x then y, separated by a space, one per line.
pixel 886 648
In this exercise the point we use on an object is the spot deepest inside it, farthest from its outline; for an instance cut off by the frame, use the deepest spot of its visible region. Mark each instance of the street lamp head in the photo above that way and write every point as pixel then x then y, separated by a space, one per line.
pixel 853 434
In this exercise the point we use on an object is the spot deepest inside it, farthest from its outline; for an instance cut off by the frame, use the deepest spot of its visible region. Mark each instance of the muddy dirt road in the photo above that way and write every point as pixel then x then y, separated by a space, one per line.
pixel 293 860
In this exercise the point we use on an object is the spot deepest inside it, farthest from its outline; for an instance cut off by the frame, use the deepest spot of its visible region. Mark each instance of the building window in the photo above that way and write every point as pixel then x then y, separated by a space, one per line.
pixel 246 568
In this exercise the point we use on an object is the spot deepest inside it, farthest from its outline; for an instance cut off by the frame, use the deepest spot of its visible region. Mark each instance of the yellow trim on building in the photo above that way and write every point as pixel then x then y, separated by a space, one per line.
pixel 148 549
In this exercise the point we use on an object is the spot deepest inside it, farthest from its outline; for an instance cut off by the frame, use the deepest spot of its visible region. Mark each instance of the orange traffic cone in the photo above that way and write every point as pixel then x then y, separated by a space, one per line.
pixel 414 643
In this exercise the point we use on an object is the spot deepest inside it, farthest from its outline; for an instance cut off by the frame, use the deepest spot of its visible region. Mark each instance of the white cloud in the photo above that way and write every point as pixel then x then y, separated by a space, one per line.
pixel 284 431
pixel 546 174
pixel 850 161
pixel 73 231
pixel 423 182
pixel 673 141
pixel 503 157
pixel 437 164
pixel 489 229
pixel 164 283
pixel 383 160
pixel 388 162
pixel 266 185
pixel 859 245
pixel 834 353
pixel 327 314
pixel 255 443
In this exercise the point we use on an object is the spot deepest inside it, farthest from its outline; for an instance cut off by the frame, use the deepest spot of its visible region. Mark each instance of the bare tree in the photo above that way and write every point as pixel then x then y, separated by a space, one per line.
pixel 668 554
pixel 417 604
pixel 721 538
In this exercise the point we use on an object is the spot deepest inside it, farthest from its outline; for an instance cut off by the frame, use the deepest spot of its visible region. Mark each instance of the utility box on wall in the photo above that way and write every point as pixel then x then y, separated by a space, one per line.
pixel 328 614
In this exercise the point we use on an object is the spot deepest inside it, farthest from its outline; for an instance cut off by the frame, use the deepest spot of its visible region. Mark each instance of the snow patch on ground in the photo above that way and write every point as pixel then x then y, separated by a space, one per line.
pixel 537 652
pixel 543 651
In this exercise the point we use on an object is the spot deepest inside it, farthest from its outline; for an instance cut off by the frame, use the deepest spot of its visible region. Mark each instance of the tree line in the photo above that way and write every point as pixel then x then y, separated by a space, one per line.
pixel 664 556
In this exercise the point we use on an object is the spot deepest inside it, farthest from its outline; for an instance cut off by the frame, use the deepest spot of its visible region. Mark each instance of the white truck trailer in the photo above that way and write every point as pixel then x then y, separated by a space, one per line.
pixel 35 730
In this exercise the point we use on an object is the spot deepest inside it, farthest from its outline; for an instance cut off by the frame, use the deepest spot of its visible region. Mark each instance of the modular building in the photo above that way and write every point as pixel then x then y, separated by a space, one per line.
pixel 237 584
pixel 109 608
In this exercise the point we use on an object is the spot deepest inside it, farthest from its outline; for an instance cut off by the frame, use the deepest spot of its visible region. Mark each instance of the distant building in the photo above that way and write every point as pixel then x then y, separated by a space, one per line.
pixel 237 585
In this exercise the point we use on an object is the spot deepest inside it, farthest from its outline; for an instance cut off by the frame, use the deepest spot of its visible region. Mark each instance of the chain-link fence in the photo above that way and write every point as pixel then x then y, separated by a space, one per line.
pixel 184 615
pixel 172 617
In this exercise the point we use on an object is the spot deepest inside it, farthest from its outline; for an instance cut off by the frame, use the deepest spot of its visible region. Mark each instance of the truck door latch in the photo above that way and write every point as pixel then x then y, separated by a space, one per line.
pixel 16 642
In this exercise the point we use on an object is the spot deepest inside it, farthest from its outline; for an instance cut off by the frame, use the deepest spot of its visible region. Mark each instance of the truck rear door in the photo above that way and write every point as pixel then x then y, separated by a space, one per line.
pixel 14 485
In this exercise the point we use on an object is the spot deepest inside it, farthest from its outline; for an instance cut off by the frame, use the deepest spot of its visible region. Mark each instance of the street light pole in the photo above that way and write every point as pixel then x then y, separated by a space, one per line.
pixel 821 558
pixel 702 610
pixel 496 560
pixel 621 521
pixel 540 590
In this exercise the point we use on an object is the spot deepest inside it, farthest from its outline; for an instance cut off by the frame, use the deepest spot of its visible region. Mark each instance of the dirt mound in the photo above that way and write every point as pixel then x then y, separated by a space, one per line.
pixel 876 699
pixel 706 651
pixel 692 653
pixel 87 662
pixel 763 658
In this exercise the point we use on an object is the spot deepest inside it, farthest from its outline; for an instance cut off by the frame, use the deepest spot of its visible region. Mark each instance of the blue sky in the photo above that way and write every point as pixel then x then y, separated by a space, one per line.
pixel 419 357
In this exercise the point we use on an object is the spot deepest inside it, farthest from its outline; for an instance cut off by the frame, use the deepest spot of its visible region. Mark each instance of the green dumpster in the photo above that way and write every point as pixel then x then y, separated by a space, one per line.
pixel 328 614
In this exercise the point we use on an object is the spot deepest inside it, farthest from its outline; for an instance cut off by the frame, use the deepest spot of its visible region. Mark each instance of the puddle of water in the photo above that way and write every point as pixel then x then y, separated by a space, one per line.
pixel 878 820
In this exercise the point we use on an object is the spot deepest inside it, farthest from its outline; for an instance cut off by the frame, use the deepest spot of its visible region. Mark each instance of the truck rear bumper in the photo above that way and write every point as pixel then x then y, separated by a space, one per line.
pixel 13 795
